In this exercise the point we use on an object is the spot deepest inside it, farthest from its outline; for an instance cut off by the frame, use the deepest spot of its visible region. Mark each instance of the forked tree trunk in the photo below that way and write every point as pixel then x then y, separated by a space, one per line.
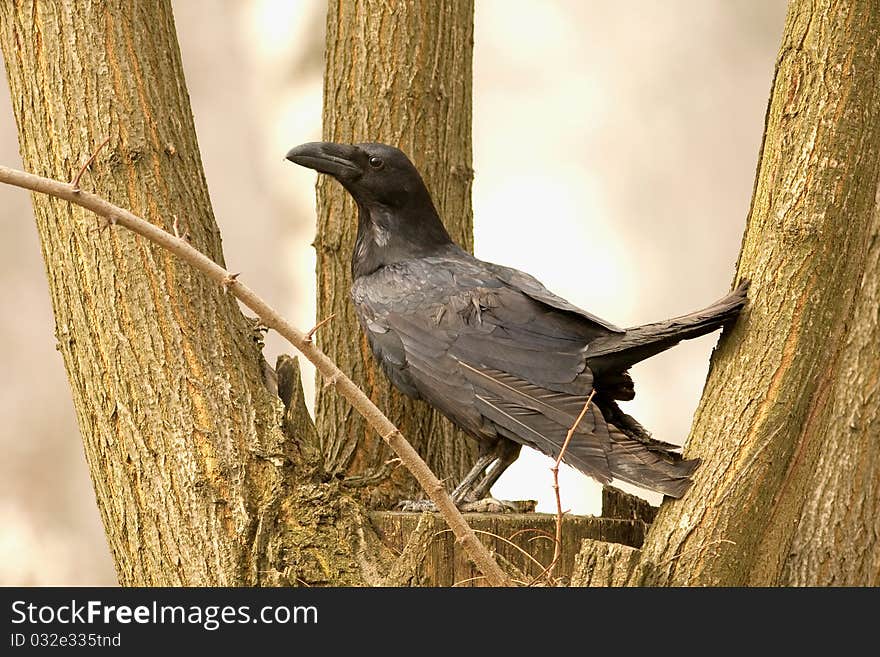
pixel 194 478
pixel 789 423
pixel 398 73
pixel 195 481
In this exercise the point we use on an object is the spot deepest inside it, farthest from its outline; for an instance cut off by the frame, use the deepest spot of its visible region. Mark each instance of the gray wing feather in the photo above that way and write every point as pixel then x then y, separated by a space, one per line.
pixel 533 288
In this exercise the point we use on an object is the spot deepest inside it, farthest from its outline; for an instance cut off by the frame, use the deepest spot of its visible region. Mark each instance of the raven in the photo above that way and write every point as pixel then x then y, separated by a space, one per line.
pixel 490 347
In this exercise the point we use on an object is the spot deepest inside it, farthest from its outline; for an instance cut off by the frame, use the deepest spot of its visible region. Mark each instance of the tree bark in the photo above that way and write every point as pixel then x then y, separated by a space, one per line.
pixel 195 481
pixel 398 73
pixel 789 490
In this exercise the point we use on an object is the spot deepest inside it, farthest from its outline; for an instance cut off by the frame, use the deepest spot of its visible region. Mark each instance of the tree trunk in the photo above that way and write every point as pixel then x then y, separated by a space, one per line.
pixel 398 73
pixel 789 490
pixel 194 478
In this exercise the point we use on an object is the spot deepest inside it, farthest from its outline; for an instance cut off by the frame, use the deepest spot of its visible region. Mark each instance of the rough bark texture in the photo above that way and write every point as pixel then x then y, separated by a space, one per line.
pixel 600 563
pixel 195 481
pixel 524 542
pixel 789 490
pixel 398 73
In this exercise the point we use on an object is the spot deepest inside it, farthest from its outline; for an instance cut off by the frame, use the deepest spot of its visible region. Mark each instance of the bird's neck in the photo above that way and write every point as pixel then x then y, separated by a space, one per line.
pixel 385 237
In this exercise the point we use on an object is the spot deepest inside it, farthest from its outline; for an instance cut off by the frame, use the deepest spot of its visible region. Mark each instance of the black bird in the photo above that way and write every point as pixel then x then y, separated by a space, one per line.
pixel 501 356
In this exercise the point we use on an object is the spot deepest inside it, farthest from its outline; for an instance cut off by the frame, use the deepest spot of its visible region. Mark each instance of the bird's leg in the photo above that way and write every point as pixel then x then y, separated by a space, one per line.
pixel 501 453
pixel 464 487
pixel 506 452
pixel 468 497
pixel 461 492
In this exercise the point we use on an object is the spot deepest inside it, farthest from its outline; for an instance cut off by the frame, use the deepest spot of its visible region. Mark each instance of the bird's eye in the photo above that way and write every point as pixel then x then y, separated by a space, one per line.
pixel 376 162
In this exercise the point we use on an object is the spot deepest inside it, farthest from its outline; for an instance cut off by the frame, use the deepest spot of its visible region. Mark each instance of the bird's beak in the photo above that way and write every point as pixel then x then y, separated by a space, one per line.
pixel 337 160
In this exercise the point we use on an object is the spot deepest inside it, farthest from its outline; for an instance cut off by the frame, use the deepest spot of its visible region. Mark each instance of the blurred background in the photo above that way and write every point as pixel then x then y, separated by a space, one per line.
pixel 622 137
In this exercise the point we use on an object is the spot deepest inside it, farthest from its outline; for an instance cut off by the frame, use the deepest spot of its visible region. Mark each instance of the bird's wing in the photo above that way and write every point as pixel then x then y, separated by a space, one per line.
pixel 533 288
pixel 500 362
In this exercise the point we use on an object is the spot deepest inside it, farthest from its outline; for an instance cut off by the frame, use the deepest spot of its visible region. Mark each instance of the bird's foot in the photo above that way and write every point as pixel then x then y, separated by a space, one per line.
pixel 491 505
pixel 416 506
pixel 485 505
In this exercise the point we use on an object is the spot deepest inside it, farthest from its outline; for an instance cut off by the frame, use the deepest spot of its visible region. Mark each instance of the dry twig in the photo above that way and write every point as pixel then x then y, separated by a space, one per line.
pixel 79 175
pixel 113 214
pixel 557 550
pixel 503 540
pixel 177 232
pixel 311 332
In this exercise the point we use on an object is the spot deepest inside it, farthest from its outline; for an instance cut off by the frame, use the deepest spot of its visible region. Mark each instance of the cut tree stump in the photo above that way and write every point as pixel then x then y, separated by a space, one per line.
pixel 617 504
pixel 525 540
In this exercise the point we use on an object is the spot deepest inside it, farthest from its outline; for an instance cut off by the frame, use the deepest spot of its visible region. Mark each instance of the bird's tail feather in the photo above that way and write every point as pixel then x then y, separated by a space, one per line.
pixel 647 464
pixel 607 443
pixel 650 467
pixel 617 353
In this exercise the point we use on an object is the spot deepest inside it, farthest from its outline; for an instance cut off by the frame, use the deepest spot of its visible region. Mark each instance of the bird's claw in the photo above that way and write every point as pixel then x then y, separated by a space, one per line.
pixel 416 506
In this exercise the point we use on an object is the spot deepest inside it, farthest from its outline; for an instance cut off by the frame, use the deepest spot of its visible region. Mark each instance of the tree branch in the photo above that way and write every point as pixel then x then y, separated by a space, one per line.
pixel 557 550
pixel 114 215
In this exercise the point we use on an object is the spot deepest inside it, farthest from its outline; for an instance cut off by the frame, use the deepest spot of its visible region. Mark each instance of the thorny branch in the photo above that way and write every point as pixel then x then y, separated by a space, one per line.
pixel 557 550
pixel 75 182
pixel 113 215
pixel 311 332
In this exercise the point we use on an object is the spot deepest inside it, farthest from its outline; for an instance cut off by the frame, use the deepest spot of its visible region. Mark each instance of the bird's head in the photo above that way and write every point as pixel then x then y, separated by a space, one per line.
pixel 376 175
pixel 397 219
